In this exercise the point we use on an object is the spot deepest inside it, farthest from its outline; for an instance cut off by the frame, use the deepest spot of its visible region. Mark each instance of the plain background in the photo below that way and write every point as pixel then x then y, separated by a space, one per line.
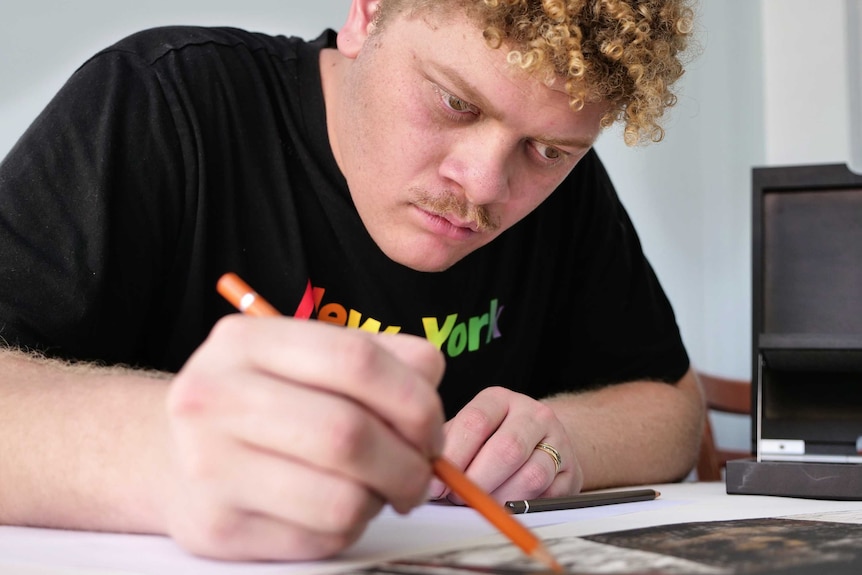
pixel 773 85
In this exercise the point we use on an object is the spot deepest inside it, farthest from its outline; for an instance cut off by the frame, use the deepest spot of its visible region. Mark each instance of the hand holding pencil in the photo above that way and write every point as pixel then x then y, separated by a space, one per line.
pixel 289 436
pixel 244 298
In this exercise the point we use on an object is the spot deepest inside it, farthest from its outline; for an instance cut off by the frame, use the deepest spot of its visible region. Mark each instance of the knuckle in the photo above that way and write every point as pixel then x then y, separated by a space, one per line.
pixel 420 405
pixel 511 450
pixel 535 479
pixel 346 509
pixel 360 355
pixel 544 413
pixel 349 433
pixel 476 421
pixel 232 327
pixel 189 395
pixel 220 530
pixel 434 358
pixel 214 534
pixel 195 388
pixel 495 393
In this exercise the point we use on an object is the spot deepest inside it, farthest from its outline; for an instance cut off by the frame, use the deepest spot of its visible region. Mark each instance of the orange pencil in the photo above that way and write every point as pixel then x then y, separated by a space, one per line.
pixel 245 299
pixel 493 512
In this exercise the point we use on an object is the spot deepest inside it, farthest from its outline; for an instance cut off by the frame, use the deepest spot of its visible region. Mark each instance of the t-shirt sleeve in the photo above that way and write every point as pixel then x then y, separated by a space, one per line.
pixel 80 233
pixel 615 322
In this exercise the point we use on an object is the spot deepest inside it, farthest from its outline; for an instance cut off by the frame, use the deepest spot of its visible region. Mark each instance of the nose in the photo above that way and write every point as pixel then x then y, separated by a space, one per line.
pixel 479 162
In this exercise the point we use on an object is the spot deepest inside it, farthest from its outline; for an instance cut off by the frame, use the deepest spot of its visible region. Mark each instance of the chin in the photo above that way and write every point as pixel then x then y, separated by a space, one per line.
pixel 427 254
pixel 428 267
pixel 424 264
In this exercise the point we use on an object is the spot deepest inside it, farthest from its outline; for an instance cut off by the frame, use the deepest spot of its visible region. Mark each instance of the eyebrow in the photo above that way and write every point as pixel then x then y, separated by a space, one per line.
pixel 468 91
pixel 577 143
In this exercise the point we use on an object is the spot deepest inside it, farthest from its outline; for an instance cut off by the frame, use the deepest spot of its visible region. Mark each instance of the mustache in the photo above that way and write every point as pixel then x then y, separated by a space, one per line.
pixel 447 203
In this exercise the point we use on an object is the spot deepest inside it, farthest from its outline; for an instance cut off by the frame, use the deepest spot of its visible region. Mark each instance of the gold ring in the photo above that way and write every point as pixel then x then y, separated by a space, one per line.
pixel 555 455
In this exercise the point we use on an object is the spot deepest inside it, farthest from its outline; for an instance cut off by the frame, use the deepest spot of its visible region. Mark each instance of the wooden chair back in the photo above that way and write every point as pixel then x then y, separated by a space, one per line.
pixel 725 395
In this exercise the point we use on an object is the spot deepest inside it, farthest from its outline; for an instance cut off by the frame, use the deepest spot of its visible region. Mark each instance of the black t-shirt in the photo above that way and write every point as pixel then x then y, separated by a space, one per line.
pixel 182 153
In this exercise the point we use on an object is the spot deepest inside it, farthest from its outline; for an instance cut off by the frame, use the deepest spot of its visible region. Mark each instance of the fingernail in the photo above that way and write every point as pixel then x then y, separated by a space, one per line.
pixel 435 490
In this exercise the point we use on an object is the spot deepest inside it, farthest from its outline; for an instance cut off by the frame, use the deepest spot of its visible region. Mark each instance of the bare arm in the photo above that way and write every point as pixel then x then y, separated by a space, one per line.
pixel 639 432
pixel 279 439
pixel 79 444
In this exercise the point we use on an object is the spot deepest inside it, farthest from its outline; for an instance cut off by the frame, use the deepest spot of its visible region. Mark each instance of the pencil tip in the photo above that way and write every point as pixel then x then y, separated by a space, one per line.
pixel 541 554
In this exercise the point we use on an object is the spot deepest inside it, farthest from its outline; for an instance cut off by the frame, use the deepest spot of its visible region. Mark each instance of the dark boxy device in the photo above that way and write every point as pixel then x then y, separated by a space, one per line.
pixel 806 334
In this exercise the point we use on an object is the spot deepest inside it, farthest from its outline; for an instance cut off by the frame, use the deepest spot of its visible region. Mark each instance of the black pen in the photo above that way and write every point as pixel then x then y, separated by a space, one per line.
pixel 581 500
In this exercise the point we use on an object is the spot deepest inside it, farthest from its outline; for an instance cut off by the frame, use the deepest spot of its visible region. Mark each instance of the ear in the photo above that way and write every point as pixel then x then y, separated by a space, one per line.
pixel 360 21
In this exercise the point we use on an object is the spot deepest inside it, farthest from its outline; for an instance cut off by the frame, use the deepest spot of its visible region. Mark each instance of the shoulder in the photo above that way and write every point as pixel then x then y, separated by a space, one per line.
pixel 586 192
pixel 590 175
pixel 188 61
pixel 153 45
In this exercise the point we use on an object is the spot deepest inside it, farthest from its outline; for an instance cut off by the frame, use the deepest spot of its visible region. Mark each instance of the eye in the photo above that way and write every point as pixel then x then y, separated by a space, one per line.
pixel 455 104
pixel 549 153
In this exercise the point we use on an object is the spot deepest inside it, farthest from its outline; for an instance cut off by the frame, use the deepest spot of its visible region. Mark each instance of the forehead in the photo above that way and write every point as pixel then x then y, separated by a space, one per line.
pixel 452 50
pixel 388 9
pixel 452 25
pixel 469 14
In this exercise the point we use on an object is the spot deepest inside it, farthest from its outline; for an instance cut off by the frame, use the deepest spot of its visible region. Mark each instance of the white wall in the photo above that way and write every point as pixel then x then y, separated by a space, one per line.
pixel 806 78
pixel 853 30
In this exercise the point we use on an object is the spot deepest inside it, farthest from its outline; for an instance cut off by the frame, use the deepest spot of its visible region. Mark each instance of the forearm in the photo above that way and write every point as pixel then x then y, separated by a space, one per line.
pixel 260 410
pixel 83 447
pixel 634 433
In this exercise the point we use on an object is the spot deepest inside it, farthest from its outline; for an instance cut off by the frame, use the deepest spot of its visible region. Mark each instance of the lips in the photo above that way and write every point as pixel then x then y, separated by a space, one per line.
pixel 456 212
pixel 447 226
pixel 459 223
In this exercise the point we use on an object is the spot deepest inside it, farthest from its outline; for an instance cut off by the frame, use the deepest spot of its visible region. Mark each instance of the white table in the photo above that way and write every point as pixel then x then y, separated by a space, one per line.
pixel 432 528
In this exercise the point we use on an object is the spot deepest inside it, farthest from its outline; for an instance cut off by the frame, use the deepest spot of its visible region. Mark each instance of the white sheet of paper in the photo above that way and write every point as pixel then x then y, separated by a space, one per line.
pixel 427 528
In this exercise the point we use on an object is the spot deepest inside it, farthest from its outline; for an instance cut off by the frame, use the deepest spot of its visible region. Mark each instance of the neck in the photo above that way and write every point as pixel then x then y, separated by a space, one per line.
pixel 332 66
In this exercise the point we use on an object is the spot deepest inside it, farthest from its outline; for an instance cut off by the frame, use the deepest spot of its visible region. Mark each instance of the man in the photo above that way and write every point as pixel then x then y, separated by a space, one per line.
pixel 428 172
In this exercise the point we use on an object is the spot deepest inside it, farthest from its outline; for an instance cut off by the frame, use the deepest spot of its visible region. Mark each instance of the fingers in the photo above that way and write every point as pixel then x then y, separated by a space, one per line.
pixel 494 439
pixel 332 433
pixel 253 537
pixel 298 432
pixel 536 478
pixel 308 514
pixel 393 376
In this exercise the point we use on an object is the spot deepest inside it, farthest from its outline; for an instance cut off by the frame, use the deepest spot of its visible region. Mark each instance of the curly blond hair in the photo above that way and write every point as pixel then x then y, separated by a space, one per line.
pixel 626 53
